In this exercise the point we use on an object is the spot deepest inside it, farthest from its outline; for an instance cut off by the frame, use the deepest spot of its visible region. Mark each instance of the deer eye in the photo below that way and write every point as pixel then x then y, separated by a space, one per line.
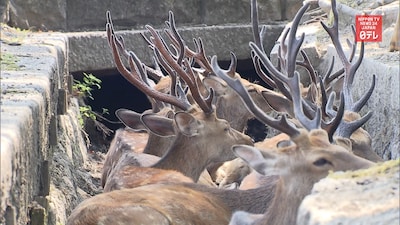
pixel 321 162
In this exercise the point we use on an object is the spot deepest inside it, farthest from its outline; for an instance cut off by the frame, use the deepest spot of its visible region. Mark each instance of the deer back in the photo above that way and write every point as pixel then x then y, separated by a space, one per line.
pixel 151 204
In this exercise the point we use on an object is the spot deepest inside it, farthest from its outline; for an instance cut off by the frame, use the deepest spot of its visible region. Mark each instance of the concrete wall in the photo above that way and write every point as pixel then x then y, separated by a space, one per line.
pixel 76 15
pixel 29 98
pixel 90 50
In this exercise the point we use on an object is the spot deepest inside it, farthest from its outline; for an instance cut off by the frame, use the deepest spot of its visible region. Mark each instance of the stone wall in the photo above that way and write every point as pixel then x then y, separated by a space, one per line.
pixel 44 166
pixel 29 105
pixel 90 51
pixel 76 15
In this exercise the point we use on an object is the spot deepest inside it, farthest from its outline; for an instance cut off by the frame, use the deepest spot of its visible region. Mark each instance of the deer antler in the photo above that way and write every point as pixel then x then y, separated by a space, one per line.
pixel 282 124
pixel 345 129
pixel 180 65
pixel 137 73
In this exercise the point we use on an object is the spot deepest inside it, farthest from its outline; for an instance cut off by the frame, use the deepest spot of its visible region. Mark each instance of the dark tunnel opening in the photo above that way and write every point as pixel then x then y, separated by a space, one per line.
pixel 116 93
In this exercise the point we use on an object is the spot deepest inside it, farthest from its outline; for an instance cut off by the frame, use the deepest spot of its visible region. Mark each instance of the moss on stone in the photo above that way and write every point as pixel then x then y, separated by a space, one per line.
pixel 381 168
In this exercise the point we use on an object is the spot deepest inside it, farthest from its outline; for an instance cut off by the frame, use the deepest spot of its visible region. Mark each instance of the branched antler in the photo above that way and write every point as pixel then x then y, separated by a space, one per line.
pixel 345 129
pixel 137 73
pixel 180 64
pixel 282 124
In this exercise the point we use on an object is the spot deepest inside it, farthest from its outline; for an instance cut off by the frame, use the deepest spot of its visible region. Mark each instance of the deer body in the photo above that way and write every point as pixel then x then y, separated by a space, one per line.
pixel 151 204
pixel 201 139
pixel 184 203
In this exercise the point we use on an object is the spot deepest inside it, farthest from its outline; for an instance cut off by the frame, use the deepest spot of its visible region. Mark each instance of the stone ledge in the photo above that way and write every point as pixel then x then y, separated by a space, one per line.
pixel 369 196
pixel 90 50
pixel 28 102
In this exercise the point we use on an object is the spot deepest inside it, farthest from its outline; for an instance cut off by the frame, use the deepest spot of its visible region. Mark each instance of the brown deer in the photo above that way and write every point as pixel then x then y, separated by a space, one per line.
pixel 173 203
pixel 200 138
pixel 125 143
pixel 184 203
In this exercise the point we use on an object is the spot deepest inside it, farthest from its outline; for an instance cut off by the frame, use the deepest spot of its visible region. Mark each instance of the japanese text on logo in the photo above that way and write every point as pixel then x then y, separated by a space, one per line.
pixel 369 28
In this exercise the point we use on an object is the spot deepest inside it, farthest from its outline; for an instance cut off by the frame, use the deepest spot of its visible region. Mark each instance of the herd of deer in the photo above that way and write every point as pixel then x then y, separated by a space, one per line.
pixel 198 115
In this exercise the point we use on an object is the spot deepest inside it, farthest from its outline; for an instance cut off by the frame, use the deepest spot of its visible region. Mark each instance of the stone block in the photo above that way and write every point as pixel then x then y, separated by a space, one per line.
pixel 368 196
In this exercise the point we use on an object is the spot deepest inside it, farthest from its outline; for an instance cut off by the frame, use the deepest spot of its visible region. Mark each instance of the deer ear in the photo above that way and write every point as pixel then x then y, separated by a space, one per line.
pixel 345 143
pixel 159 125
pixel 218 85
pixel 278 102
pixel 260 162
pixel 187 124
pixel 130 119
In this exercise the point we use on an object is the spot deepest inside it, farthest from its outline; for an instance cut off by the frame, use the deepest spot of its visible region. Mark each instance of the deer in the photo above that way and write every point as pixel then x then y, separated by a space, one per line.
pixel 310 153
pixel 328 86
pixel 196 129
pixel 173 203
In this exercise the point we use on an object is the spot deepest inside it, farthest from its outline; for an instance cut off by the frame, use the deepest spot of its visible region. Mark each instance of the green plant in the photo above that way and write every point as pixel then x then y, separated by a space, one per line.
pixel 8 61
pixel 85 87
pixel 83 90
pixel 13 35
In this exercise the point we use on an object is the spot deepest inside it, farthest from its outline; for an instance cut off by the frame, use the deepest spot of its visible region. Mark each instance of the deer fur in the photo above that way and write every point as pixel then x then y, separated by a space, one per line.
pixel 201 139
pixel 184 203
pixel 151 204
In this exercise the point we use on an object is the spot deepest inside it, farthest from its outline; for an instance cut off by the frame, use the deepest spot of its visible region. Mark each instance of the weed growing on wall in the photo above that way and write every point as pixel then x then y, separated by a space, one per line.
pixel 83 91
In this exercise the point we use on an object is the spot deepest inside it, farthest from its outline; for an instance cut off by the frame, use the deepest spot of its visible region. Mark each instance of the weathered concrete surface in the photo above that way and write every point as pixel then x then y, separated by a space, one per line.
pixel 28 102
pixel 76 15
pixel 43 155
pixel 90 50
pixel 368 196
pixel 71 182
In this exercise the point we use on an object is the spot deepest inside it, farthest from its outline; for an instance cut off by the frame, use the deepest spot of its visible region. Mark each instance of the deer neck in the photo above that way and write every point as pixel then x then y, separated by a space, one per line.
pixel 157 145
pixel 285 204
pixel 255 200
pixel 185 156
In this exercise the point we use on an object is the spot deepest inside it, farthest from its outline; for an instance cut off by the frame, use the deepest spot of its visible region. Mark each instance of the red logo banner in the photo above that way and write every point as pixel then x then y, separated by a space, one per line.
pixel 369 28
